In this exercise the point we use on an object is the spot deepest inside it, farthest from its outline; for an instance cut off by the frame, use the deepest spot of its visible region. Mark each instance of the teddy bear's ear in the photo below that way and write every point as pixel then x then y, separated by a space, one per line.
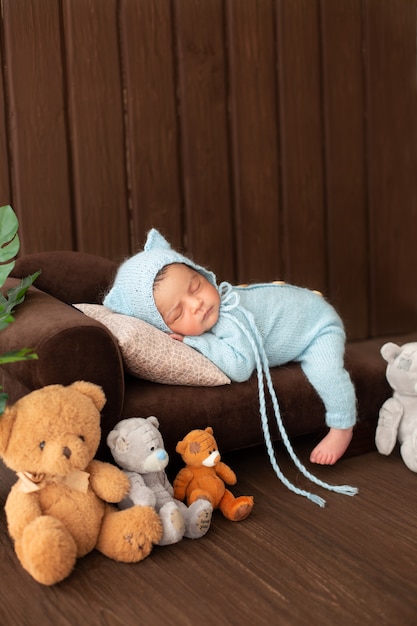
pixel 112 437
pixel 91 391
pixel 153 420
pixel 209 430
pixel 7 421
pixel 390 351
pixel 181 447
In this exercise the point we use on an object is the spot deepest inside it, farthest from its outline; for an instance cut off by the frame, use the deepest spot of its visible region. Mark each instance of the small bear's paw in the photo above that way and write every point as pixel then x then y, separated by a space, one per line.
pixel 198 519
pixel 408 452
pixel 47 550
pixel 173 524
pixel 129 535
pixel 240 508
pixel 387 430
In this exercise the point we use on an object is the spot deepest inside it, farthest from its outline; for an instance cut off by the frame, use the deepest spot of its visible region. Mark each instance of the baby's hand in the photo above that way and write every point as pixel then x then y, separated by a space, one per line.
pixel 177 336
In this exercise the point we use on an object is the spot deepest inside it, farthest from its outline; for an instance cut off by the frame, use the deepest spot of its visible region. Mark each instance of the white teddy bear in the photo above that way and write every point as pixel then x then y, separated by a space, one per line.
pixel 137 447
pixel 398 414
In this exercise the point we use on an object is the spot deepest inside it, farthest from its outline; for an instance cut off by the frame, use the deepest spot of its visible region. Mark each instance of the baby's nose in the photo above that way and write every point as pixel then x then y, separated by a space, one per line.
pixel 196 303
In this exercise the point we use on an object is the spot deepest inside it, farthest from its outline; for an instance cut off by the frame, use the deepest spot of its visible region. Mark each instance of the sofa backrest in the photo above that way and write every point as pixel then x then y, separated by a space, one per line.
pixel 69 276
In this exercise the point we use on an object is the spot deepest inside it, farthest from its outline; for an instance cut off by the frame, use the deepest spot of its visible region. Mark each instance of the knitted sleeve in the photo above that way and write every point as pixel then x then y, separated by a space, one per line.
pixel 227 347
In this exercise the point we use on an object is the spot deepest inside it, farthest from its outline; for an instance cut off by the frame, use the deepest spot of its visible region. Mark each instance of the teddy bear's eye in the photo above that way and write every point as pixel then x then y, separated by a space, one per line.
pixel 152 448
pixel 81 437
pixel 42 445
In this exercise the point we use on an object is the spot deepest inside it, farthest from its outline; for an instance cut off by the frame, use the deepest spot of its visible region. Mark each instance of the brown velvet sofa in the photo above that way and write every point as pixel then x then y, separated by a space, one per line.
pixel 72 346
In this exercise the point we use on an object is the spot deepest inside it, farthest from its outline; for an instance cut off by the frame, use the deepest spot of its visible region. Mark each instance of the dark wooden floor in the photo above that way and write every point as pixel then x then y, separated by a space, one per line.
pixel 290 562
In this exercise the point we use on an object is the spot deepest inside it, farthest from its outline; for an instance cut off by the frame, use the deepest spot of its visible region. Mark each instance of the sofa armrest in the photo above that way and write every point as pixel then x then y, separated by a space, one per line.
pixel 70 346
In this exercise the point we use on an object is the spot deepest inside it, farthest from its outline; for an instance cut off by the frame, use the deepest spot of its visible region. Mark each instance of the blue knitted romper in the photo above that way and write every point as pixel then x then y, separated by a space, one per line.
pixel 259 326
pixel 294 324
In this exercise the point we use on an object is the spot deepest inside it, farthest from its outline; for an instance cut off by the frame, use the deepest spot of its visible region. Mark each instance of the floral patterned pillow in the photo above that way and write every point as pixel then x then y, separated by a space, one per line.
pixel 151 354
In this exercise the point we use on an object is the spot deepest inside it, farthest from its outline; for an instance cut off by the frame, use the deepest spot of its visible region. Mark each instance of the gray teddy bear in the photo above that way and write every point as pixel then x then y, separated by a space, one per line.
pixel 398 415
pixel 138 448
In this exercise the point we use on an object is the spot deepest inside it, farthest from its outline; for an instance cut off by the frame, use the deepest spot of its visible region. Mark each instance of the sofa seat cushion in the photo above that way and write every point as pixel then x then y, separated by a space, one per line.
pixel 233 410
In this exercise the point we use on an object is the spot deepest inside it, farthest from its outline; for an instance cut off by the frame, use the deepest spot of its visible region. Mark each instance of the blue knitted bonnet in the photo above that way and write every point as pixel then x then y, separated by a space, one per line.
pixel 132 289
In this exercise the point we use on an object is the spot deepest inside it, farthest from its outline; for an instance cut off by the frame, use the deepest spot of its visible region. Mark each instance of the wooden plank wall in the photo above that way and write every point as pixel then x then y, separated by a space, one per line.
pixel 267 138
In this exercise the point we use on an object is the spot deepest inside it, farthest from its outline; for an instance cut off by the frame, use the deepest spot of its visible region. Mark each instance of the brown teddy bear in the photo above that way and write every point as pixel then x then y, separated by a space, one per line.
pixel 204 476
pixel 58 509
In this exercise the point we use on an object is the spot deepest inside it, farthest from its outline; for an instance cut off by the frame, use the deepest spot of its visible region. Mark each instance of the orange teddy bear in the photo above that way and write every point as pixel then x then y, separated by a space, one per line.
pixel 205 475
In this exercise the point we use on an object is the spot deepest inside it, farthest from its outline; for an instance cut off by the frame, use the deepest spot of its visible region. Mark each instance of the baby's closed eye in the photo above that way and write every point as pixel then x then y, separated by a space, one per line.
pixel 173 315
pixel 195 285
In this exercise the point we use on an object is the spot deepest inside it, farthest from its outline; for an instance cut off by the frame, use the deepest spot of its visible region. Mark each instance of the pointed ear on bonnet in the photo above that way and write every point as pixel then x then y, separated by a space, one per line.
pixel 155 241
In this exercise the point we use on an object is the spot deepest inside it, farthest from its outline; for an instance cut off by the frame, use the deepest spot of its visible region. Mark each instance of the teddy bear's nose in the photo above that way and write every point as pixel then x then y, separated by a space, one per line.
pixel 66 452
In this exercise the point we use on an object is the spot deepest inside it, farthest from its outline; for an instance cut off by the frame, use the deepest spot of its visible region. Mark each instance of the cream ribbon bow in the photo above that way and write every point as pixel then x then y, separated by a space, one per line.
pixel 29 482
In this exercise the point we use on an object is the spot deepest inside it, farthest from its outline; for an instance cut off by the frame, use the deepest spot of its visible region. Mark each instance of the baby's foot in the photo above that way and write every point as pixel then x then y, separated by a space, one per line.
pixel 332 446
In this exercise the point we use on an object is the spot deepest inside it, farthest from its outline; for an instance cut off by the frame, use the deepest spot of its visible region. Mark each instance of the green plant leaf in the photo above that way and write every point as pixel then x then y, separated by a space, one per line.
pixel 13 297
pixel 9 248
pixel 24 354
pixel 9 241
pixel 16 295
pixel 3 401
pixel 5 321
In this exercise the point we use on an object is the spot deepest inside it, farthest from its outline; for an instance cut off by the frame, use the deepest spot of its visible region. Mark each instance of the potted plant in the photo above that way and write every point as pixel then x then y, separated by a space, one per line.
pixel 9 248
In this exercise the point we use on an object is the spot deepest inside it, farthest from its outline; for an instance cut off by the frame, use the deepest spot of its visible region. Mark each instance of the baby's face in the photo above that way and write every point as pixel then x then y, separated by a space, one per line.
pixel 188 302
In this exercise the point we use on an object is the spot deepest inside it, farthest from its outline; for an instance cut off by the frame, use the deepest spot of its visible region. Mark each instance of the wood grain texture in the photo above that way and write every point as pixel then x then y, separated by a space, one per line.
pixel 96 126
pixel 37 130
pixel 392 157
pixel 5 192
pixel 254 132
pixel 289 562
pixel 205 149
pixel 345 161
pixel 154 165
pixel 301 128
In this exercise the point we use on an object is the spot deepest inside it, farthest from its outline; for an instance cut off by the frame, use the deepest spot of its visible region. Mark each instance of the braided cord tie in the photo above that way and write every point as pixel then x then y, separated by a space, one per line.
pixel 263 374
